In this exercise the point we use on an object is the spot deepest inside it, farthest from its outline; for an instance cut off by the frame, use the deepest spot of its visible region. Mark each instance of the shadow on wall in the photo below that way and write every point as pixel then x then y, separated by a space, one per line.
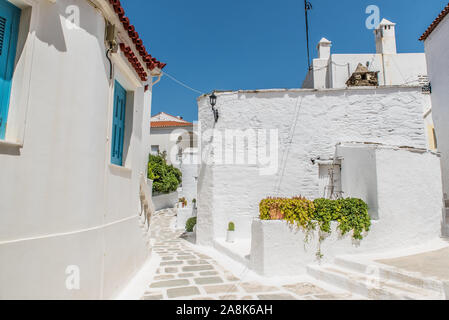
pixel 50 28
pixel 54 33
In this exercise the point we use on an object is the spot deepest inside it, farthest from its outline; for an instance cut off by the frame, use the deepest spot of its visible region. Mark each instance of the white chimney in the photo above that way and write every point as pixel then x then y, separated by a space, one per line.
pixel 324 49
pixel 386 37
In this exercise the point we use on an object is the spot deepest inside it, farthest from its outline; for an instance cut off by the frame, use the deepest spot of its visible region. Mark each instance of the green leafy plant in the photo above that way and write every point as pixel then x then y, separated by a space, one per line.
pixel 351 214
pixel 297 211
pixel 166 178
pixel 231 226
pixel 190 224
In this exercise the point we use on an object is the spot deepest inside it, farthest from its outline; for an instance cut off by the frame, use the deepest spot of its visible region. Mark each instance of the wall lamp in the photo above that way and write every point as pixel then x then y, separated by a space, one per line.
pixel 213 103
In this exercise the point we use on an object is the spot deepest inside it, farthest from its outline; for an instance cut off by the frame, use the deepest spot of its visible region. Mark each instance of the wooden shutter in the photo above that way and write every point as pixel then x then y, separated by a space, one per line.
pixel 9 30
pixel 118 125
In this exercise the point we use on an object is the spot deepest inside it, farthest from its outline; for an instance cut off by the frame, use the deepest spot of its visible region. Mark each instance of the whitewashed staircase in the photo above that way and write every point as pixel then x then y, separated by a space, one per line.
pixel 377 281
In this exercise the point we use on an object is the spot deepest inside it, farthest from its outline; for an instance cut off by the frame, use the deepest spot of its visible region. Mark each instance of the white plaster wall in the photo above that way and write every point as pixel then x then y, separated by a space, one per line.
pixel 61 202
pixel 359 175
pixel 165 200
pixel 189 169
pixel 394 69
pixel 167 140
pixel 184 214
pixel 436 47
pixel 318 120
pixel 409 207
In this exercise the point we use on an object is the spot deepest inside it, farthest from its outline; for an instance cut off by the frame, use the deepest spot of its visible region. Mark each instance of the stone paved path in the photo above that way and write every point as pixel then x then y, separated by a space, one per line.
pixel 185 273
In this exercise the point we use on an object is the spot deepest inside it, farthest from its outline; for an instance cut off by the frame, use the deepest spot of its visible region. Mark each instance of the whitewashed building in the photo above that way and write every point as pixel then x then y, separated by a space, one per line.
pixel 437 48
pixel 77 87
pixel 172 135
pixel 332 71
pixel 300 128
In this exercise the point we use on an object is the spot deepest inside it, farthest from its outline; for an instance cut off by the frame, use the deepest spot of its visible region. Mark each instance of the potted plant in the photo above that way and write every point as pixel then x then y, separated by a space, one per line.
pixel 194 203
pixel 276 212
pixel 230 236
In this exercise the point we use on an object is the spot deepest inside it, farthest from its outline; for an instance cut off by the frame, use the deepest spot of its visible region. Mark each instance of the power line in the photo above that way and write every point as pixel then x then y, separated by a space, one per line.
pixel 182 83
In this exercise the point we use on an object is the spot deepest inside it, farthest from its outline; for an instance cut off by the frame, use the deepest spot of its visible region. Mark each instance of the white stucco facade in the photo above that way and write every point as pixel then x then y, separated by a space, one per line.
pixel 436 47
pixel 333 70
pixel 63 205
pixel 307 125
pixel 172 135
pixel 403 189
pixel 189 168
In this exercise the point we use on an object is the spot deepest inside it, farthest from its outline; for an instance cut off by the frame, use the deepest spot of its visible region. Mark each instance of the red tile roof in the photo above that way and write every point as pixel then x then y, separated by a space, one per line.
pixel 435 23
pixel 166 124
pixel 151 63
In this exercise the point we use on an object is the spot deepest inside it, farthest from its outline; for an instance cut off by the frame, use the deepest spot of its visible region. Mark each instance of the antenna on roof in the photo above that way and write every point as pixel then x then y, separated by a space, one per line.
pixel 307 7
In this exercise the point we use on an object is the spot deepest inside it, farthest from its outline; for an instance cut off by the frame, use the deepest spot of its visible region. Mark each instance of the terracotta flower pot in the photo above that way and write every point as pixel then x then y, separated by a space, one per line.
pixel 276 214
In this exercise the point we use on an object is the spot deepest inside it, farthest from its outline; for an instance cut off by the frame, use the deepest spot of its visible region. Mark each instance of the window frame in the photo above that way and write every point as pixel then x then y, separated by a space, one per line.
pixel 118 159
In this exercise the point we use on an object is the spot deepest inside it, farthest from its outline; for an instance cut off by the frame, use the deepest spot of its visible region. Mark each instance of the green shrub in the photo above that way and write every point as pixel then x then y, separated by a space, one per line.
pixel 298 211
pixel 231 226
pixel 354 217
pixel 190 224
pixel 166 178
pixel 351 214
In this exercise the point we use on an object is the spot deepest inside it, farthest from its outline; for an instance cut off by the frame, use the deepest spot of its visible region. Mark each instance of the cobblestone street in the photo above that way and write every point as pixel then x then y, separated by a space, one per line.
pixel 185 273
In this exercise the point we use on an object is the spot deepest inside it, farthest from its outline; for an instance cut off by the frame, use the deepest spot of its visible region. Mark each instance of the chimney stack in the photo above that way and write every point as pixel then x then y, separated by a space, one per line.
pixel 324 49
pixel 386 37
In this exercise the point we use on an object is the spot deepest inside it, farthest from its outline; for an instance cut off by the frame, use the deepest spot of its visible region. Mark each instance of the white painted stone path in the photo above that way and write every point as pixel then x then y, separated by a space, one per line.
pixel 186 274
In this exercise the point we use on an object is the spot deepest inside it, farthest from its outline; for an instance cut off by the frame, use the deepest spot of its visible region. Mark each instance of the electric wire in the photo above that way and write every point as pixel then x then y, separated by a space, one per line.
pixel 182 83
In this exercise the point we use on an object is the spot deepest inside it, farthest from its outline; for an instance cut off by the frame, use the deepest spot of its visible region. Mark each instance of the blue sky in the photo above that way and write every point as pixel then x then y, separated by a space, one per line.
pixel 258 44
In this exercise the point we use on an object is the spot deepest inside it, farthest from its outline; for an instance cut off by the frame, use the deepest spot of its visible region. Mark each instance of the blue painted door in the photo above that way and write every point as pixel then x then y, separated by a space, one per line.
pixel 118 124
pixel 9 30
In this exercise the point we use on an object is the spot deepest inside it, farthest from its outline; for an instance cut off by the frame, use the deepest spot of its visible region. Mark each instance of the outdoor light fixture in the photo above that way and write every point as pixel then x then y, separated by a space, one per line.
pixel 213 103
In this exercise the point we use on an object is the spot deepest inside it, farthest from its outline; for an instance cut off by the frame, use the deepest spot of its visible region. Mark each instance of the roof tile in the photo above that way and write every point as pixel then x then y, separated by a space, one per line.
pixel 166 124
pixel 151 63
pixel 435 23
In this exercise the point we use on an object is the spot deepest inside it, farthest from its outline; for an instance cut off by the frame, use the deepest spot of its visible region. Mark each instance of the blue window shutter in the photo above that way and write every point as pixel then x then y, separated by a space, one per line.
pixel 9 31
pixel 118 125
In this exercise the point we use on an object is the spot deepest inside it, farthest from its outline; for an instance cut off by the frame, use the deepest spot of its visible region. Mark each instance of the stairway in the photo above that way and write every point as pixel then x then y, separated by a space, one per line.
pixel 377 281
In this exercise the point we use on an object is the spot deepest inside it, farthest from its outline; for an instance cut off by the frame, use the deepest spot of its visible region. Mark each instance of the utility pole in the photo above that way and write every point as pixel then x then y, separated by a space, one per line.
pixel 307 7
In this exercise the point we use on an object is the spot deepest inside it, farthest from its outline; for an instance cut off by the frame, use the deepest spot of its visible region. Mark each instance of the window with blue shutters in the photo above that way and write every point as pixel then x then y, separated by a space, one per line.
pixel 9 30
pixel 118 125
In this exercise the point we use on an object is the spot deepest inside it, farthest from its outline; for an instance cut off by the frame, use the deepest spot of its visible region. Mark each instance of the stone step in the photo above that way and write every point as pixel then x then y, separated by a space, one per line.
pixel 388 273
pixel 367 285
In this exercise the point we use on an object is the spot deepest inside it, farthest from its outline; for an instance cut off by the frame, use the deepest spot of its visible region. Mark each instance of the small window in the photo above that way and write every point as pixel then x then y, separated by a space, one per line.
pixel 154 150
pixel 118 125
pixel 330 181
